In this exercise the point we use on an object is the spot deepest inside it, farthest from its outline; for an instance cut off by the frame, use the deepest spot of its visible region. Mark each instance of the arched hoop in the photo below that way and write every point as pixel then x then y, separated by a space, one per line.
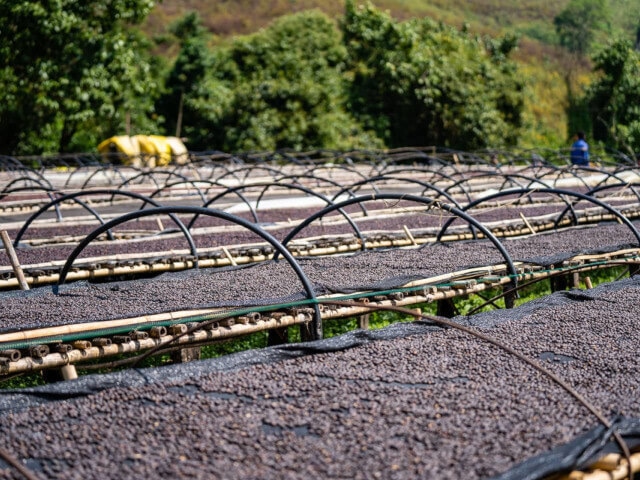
pixel 153 174
pixel 73 196
pixel 313 330
pixel 283 185
pixel 413 198
pixel 104 168
pixel 40 183
pixel 426 186
pixel 553 191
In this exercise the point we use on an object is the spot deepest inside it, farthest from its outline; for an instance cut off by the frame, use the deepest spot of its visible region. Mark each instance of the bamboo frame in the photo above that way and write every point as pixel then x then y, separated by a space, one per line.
pixel 74 356
pixel 13 259
pixel 407 240
pixel 610 467
pixel 464 282
pixel 493 275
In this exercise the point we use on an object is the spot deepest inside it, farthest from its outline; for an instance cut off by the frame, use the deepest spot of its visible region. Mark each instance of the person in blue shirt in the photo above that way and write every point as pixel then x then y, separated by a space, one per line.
pixel 580 151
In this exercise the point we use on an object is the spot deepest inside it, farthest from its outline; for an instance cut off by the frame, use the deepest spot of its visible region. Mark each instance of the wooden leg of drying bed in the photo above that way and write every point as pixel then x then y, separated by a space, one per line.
pixel 363 321
pixel 185 355
pixel 13 259
pixel 576 280
pixel 53 375
pixel 69 372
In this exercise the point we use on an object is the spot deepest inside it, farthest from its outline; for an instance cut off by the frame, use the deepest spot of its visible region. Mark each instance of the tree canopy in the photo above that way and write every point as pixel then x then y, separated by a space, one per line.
pixel 71 72
pixel 75 73
pixel 423 83
pixel 301 83
pixel 579 22
pixel 614 98
pixel 283 87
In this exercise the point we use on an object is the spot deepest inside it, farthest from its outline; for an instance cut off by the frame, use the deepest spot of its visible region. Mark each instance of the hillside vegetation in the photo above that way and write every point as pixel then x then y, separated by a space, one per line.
pixel 533 19
pixel 551 75
pixel 256 75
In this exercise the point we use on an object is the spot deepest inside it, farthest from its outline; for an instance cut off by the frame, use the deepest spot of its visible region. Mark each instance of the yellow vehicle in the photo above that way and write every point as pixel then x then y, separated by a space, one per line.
pixel 144 150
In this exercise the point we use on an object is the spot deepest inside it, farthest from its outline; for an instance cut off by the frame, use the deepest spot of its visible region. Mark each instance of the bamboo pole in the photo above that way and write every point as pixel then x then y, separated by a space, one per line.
pixel 55 360
pixel 229 256
pixel 409 235
pixel 81 328
pixel 13 258
pixel 524 219
pixel 611 467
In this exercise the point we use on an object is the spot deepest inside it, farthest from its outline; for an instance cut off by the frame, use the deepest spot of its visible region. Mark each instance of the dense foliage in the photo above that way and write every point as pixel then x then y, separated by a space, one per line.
pixel 614 99
pixel 423 83
pixel 579 22
pixel 284 87
pixel 300 84
pixel 74 73
pixel 71 72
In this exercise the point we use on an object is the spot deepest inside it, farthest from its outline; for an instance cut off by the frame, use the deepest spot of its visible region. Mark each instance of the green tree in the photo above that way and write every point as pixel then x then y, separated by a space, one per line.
pixel 614 98
pixel 578 24
pixel 283 87
pixel 423 83
pixel 71 72
pixel 184 83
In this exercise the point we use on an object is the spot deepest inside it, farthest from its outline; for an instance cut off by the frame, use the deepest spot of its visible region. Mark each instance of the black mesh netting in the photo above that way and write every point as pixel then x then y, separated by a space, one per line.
pixel 408 401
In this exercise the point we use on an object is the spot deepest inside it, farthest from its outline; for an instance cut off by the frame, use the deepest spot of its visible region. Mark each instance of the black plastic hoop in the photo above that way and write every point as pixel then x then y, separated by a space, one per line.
pixel 314 330
pixel 413 198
